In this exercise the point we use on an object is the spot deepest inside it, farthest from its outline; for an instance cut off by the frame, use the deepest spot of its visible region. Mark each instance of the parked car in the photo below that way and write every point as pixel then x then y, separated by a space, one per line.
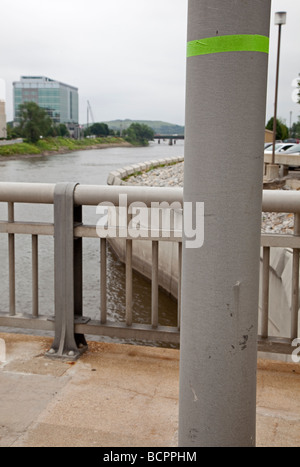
pixel 294 150
pixel 281 147
pixel 292 140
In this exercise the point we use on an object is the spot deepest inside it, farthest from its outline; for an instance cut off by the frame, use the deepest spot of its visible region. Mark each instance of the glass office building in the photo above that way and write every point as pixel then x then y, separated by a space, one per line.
pixel 58 99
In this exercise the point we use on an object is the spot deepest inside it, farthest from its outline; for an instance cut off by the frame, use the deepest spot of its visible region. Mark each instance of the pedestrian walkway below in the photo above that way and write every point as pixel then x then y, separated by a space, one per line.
pixel 119 396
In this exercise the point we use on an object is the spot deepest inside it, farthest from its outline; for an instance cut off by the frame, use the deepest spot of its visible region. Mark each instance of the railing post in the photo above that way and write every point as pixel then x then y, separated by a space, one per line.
pixel 226 96
pixel 155 283
pixel 295 283
pixel 265 293
pixel 35 276
pixel 179 284
pixel 12 266
pixel 68 275
pixel 103 281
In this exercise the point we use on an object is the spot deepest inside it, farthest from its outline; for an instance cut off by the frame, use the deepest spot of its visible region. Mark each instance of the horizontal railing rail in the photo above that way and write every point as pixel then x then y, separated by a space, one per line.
pixel 68 323
pixel 87 195
pixel 92 195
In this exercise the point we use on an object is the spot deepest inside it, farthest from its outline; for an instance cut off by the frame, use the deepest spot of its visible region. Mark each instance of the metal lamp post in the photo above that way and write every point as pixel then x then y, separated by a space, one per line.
pixel 280 20
pixel 220 281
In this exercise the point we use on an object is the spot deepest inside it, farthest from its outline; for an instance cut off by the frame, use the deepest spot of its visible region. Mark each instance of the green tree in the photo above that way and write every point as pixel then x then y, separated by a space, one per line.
pixel 87 132
pixel 62 130
pixel 140 134
pixel 99 129
pixel 34 122
pixel 295 132
pixel 282 131
pixel 13 132
pixel 58 130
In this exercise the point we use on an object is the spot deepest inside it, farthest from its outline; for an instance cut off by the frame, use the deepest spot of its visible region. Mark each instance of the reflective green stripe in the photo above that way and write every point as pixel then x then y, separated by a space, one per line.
pixel 236 43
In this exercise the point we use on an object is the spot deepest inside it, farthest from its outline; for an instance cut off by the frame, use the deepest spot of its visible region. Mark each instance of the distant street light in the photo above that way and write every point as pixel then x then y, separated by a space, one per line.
pixel 280 19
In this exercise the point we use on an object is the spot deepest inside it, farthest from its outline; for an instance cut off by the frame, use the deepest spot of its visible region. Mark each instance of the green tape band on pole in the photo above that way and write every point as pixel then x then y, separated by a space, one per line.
pixel 221 44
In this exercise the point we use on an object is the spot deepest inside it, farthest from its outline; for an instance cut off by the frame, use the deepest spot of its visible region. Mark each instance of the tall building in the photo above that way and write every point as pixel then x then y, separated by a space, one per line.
pixel 3 132
pixel 58 99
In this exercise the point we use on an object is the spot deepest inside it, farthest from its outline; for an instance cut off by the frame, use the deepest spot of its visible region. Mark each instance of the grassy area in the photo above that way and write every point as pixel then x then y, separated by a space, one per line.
pixel 55 144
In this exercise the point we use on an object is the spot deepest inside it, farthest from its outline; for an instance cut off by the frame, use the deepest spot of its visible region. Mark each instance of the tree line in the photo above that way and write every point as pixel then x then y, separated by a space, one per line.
pixel 137 133
pixel 283 132
pixel 34 123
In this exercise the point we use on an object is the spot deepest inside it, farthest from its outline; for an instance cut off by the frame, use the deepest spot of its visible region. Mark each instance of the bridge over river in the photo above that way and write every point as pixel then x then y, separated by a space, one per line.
pixel 172 138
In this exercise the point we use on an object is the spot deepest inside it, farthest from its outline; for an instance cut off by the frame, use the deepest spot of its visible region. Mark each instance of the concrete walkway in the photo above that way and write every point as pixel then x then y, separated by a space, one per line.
pixel 119 396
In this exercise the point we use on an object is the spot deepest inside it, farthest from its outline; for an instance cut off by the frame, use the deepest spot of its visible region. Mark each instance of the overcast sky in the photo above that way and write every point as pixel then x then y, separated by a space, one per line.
pixel 126 57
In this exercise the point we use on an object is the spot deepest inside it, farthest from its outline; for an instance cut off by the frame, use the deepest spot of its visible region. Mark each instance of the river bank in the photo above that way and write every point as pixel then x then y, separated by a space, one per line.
pixel 54 146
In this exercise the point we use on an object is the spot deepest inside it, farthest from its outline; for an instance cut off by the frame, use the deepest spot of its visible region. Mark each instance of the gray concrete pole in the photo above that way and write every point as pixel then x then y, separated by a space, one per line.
pixel 225 120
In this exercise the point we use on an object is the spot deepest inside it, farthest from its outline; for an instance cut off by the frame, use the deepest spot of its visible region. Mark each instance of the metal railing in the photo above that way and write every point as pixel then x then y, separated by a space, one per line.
pixel 68 322
pixel 68 230
pixel 280 202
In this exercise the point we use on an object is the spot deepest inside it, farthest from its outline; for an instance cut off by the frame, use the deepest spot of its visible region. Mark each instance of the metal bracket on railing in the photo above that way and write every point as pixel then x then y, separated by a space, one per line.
pixel 68 275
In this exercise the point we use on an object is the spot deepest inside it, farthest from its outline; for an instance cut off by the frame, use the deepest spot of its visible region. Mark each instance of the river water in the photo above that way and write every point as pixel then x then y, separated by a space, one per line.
pixel 85 167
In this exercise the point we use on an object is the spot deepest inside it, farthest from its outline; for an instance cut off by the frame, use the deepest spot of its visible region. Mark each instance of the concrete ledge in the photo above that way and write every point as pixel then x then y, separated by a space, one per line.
pixel 292 160
pixel 118 177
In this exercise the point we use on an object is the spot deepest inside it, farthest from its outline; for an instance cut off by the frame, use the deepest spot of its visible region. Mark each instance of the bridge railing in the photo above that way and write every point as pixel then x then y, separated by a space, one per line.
pixel 280 202
pixel 68 322
pixel 68 230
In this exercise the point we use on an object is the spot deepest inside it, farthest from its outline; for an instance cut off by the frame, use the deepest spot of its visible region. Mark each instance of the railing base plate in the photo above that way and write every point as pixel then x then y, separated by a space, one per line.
pixel 71 356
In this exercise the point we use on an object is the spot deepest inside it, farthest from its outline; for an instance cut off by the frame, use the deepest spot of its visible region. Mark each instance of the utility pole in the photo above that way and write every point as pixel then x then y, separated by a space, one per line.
pixel 227 65
pixel 280 20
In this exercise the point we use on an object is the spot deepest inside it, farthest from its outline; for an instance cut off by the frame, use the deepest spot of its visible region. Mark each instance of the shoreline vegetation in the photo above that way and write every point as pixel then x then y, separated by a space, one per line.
pixel 43 137
pixel 59 145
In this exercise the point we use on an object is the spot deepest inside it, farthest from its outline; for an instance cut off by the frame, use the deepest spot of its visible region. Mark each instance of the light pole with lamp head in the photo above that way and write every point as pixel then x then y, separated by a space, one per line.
pixel 280 20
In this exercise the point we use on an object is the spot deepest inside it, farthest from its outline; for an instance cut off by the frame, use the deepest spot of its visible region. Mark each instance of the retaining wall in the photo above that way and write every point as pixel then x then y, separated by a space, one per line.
pixel 142 249
pixel 280 261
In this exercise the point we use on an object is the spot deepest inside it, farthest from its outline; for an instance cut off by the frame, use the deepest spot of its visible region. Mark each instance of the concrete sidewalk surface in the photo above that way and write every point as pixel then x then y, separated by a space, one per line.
pixel 119 396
